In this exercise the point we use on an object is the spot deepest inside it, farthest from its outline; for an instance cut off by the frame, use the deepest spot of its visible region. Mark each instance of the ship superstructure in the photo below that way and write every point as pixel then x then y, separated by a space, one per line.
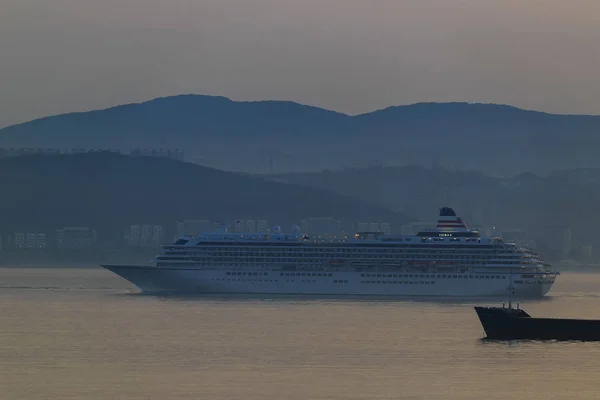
pixel 448 260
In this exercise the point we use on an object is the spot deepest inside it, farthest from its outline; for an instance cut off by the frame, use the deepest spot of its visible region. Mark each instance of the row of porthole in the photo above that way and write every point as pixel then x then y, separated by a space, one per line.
pixel 402 282
pixel 245 280
pixel 248 273
pixel 433 276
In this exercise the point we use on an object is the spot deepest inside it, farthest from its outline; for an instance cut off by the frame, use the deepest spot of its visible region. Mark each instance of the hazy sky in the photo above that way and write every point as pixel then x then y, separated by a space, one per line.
pixel 349 55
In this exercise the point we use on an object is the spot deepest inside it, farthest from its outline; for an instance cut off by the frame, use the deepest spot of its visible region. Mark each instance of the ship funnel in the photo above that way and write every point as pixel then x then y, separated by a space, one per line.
pixel 448 220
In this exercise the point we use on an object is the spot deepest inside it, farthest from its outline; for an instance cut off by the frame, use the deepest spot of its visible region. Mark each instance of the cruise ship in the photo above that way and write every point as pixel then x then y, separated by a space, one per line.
pixel 448 260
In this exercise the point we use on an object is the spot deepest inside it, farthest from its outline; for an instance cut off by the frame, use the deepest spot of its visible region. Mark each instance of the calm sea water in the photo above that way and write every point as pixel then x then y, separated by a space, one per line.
pixel 86 334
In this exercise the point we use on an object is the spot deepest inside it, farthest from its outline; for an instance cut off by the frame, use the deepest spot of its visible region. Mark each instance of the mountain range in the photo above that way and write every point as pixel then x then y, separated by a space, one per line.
pixel 282 136
pixel 110 192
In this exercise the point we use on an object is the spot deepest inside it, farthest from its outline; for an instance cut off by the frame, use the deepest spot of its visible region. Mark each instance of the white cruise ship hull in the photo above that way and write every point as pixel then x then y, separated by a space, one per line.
pixel 151 279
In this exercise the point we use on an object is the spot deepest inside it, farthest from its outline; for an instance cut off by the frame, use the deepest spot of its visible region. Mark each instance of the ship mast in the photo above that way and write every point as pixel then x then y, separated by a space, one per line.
pixel 511 289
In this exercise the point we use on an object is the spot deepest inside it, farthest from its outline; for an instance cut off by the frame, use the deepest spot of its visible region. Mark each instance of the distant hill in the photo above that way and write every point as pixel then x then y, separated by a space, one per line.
pixel 539 205
pixel 252 136
pixel 109 192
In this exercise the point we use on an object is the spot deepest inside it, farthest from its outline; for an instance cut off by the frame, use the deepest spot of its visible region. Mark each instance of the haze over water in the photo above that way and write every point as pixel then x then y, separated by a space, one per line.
pixel 84 333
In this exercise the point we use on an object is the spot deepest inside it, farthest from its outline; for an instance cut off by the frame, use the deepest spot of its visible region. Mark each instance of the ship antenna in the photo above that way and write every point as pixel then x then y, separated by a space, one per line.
pixel 511 290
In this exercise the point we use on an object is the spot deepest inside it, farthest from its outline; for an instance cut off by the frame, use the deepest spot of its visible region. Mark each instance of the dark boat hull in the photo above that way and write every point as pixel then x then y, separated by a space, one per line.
pixel 511 324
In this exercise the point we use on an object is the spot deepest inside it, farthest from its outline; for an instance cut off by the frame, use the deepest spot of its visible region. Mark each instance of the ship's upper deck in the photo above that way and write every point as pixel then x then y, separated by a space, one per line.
pixel 450 230
pixel 358 238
